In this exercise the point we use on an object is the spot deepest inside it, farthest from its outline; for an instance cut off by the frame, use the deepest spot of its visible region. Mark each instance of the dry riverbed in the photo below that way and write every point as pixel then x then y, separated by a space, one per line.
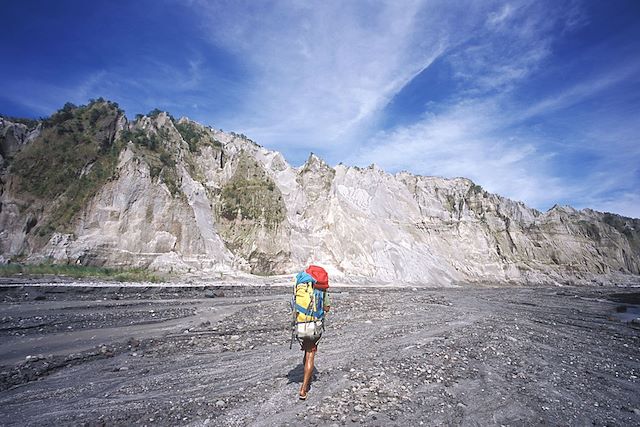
pixel 220 356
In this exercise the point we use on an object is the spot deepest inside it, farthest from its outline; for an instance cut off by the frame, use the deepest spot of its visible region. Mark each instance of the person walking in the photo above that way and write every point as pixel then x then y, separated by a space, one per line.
pixel 311 303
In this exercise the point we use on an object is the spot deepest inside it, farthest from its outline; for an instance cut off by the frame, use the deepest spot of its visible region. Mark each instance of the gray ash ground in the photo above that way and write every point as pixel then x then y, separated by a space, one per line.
pixel 220 356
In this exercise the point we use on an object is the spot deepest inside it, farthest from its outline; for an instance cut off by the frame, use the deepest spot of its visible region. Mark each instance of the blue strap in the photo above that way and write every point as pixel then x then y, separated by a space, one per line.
pixel 319 314
pixel 303 310
pixel 319 297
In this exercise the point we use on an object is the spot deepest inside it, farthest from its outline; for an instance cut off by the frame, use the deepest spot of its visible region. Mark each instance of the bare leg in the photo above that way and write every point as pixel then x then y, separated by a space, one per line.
pixel 308 371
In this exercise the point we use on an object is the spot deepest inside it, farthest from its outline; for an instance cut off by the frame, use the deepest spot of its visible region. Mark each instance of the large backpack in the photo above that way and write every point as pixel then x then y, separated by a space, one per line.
pixel 308 303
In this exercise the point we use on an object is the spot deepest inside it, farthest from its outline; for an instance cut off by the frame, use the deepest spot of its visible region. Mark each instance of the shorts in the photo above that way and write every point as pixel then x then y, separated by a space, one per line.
pixel 310 344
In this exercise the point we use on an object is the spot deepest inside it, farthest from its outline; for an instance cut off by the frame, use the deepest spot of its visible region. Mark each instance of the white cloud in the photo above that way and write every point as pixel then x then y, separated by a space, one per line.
pixel 627 204
pixel 467 141
pixel 481 139
pixel 498 17
pixel 513 44
pixel 323 71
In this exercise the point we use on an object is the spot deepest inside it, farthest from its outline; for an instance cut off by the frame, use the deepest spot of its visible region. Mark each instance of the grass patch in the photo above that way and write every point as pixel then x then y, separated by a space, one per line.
pixel 80 272
pixel 252 192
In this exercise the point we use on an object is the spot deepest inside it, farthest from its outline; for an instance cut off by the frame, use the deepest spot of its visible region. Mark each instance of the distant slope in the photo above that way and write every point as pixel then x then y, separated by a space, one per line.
pixel 87 186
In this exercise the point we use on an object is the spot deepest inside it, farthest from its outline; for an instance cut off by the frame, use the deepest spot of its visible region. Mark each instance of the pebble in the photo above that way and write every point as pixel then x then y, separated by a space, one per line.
pixel 373 389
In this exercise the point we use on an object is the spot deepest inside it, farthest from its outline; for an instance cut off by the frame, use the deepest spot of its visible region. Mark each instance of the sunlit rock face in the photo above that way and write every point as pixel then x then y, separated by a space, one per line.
pixel 173 195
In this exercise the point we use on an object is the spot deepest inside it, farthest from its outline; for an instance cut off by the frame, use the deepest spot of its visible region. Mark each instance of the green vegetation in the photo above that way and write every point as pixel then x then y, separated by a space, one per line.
pixel 191 134
pixel 80 271
pixel 619 223
pixel 451 203
pixel 307 176
pixel 140 137
pixel 195 136
pixel 590 229
pixel 476 189
pixel 630 227
pixel 252 192
pixel 161 165
pixel 30 123
pixel 161 162
pixel 70 161
pixel 243 136
pixel 156 112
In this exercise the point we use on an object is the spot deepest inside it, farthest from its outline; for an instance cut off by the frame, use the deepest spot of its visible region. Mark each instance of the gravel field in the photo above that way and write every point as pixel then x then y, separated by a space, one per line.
pixel 219 355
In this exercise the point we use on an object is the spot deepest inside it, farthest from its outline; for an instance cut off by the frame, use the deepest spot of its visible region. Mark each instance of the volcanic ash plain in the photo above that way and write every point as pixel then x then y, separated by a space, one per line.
pixel 219 355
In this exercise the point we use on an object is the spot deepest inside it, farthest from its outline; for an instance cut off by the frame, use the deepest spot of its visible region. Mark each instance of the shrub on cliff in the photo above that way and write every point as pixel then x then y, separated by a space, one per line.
pixel 71 159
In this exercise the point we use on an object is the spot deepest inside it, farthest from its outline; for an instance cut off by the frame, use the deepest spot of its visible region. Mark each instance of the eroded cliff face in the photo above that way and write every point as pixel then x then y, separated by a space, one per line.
pixel 174 195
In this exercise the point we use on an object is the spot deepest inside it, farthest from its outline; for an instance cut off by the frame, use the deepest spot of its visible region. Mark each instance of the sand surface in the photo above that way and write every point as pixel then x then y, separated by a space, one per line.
pixel 219 355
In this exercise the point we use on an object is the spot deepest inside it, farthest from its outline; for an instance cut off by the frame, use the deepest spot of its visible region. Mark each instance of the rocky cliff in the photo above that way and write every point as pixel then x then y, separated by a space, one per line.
pixel 88 186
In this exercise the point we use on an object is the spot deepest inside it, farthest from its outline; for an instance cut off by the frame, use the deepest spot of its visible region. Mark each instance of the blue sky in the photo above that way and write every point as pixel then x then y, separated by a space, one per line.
pixel 538 101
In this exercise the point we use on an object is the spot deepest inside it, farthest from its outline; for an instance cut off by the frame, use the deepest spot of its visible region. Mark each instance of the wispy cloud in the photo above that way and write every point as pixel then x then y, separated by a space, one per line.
pixel 504 93
pixel 323 72
pixel 581 91
pixel 467 141
pixel 485 131
pixel 322 76
pixel 513 43
pixel 483 139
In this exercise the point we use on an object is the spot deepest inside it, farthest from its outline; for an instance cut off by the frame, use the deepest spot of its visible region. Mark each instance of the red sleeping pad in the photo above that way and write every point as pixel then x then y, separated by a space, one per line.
pixel 321 276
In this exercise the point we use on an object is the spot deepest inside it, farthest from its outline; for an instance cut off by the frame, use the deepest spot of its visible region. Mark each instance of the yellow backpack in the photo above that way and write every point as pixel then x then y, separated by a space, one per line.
pixel 309 303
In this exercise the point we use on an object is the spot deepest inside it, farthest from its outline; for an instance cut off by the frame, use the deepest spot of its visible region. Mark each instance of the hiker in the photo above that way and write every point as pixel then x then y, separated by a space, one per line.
pixel 310 303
